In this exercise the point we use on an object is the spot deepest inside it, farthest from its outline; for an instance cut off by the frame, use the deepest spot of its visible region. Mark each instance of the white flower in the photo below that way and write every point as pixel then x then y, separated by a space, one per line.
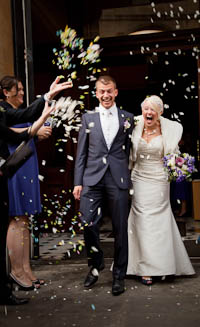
pixel 184 167
pixel 171 162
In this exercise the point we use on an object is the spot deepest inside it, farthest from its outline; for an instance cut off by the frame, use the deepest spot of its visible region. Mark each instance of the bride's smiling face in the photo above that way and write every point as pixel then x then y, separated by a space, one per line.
pixel 150 115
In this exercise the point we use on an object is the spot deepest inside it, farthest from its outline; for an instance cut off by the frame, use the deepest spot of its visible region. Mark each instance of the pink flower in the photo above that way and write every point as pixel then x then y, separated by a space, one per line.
pixel 179 161
pixel 127 124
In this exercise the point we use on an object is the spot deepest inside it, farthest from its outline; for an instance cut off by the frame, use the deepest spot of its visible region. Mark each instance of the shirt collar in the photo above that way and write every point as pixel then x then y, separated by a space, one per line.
pixel 112 109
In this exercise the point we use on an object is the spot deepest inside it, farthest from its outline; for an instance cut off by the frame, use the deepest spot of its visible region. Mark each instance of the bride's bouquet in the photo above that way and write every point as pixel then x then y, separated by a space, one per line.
pixel 179 167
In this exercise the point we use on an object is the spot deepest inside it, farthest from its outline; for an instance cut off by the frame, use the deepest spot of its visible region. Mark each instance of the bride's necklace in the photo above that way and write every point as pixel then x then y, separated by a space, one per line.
pixel 154 131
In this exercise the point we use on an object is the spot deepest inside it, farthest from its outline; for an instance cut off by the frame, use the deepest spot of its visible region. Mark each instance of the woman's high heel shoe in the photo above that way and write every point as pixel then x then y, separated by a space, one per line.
pixel 147 281
pixel 22 286
pixel 38 282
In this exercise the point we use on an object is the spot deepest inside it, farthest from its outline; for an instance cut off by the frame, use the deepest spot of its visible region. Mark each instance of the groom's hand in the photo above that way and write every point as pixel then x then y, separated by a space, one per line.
pixel 77 192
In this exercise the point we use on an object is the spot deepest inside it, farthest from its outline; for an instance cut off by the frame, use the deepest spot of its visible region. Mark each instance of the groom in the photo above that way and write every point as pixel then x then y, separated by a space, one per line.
pixel 101 169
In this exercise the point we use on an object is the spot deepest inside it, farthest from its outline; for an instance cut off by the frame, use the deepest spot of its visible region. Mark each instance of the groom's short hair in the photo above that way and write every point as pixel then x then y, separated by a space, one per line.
pixel 106 79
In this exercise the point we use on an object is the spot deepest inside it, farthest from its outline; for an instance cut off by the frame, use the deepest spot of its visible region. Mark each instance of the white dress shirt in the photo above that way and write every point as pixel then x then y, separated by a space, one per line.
pixel 109 123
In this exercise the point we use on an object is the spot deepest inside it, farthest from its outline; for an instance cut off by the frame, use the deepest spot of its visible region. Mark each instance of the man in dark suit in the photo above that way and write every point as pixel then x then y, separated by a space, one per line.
pixel 101 169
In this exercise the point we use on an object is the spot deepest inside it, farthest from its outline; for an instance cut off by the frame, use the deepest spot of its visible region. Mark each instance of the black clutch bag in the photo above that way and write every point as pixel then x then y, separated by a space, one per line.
pixel 16 159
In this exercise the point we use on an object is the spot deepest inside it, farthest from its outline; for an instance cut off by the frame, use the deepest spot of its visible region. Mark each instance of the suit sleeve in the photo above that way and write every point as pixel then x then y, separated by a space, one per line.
pixel 29 114
pixel 82 153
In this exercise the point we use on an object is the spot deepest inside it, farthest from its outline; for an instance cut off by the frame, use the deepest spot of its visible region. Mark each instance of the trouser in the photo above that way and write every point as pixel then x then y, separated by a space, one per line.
pixel 91 204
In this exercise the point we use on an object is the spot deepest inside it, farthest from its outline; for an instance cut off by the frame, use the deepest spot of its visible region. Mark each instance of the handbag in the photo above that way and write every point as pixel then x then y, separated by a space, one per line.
pixel 16 159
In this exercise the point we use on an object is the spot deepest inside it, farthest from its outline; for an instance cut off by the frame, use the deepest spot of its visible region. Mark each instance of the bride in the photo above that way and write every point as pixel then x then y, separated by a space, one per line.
pixel 155 245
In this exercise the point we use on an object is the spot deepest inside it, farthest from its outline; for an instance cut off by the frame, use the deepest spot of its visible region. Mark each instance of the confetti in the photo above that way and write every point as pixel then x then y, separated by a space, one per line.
pixel 41 178
pixel 70 157
pixel 94 249
pixel 91 124
pixel 93 307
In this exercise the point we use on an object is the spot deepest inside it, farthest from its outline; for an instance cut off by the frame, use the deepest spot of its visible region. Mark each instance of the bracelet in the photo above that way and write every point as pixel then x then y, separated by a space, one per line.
pixel 46 97
pixel 29 130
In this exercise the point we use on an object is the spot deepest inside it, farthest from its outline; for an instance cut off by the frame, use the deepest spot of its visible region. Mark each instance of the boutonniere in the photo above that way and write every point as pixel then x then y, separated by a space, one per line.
pixel 127 124
pixel 2 109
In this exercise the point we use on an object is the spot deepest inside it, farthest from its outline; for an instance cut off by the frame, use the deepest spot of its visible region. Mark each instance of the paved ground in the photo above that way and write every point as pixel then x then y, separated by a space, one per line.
pixel 63 301
pixel 61 245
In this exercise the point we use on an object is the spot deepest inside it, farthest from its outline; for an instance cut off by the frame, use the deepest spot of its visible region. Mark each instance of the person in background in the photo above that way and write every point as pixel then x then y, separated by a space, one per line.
pixel 38 111
pixel 181 191
pixel 24 192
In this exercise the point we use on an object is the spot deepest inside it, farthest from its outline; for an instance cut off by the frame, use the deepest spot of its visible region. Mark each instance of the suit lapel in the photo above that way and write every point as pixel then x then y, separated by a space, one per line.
pixel 99 128
pixel 121 124
pixel 121 120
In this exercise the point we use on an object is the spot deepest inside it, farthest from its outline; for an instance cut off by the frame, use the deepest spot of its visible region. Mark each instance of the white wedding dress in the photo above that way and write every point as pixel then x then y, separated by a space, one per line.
pixel 155 244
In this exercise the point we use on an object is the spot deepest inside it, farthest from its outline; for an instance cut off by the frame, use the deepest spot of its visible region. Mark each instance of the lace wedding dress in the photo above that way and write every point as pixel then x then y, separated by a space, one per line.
pixel 155 244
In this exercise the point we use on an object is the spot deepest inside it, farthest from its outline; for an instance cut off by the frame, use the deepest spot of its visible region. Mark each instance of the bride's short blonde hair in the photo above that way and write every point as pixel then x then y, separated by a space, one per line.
pixel 155 102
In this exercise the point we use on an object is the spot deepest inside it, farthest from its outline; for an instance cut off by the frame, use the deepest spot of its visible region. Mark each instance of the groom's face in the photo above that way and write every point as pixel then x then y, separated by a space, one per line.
pixel 106 94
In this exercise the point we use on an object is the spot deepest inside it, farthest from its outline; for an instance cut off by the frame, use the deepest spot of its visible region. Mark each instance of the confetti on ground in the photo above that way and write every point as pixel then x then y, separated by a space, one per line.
pixel 93 307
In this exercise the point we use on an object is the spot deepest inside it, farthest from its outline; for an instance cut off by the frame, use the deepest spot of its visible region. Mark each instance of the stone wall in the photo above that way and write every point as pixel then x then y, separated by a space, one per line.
pixel 6 39
pixel 176 15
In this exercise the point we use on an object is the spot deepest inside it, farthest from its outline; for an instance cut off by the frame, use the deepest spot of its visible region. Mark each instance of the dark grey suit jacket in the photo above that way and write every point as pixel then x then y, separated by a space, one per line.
pixel 93 157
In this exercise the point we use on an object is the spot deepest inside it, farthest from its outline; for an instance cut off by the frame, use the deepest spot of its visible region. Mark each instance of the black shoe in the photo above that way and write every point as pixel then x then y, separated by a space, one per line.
pixel 90 279
pixel 22 287
pixel 13 300
pixel 118 286
pixel 102 266
pixel 38 282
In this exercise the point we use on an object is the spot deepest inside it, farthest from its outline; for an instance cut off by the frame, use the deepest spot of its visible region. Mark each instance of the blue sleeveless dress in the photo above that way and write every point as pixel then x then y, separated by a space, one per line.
pixel 24 187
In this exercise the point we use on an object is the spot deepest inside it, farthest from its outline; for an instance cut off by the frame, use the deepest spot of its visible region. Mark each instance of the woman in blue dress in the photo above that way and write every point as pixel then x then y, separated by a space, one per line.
pixel 26 201
pixel 37 112
pixel 24 193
